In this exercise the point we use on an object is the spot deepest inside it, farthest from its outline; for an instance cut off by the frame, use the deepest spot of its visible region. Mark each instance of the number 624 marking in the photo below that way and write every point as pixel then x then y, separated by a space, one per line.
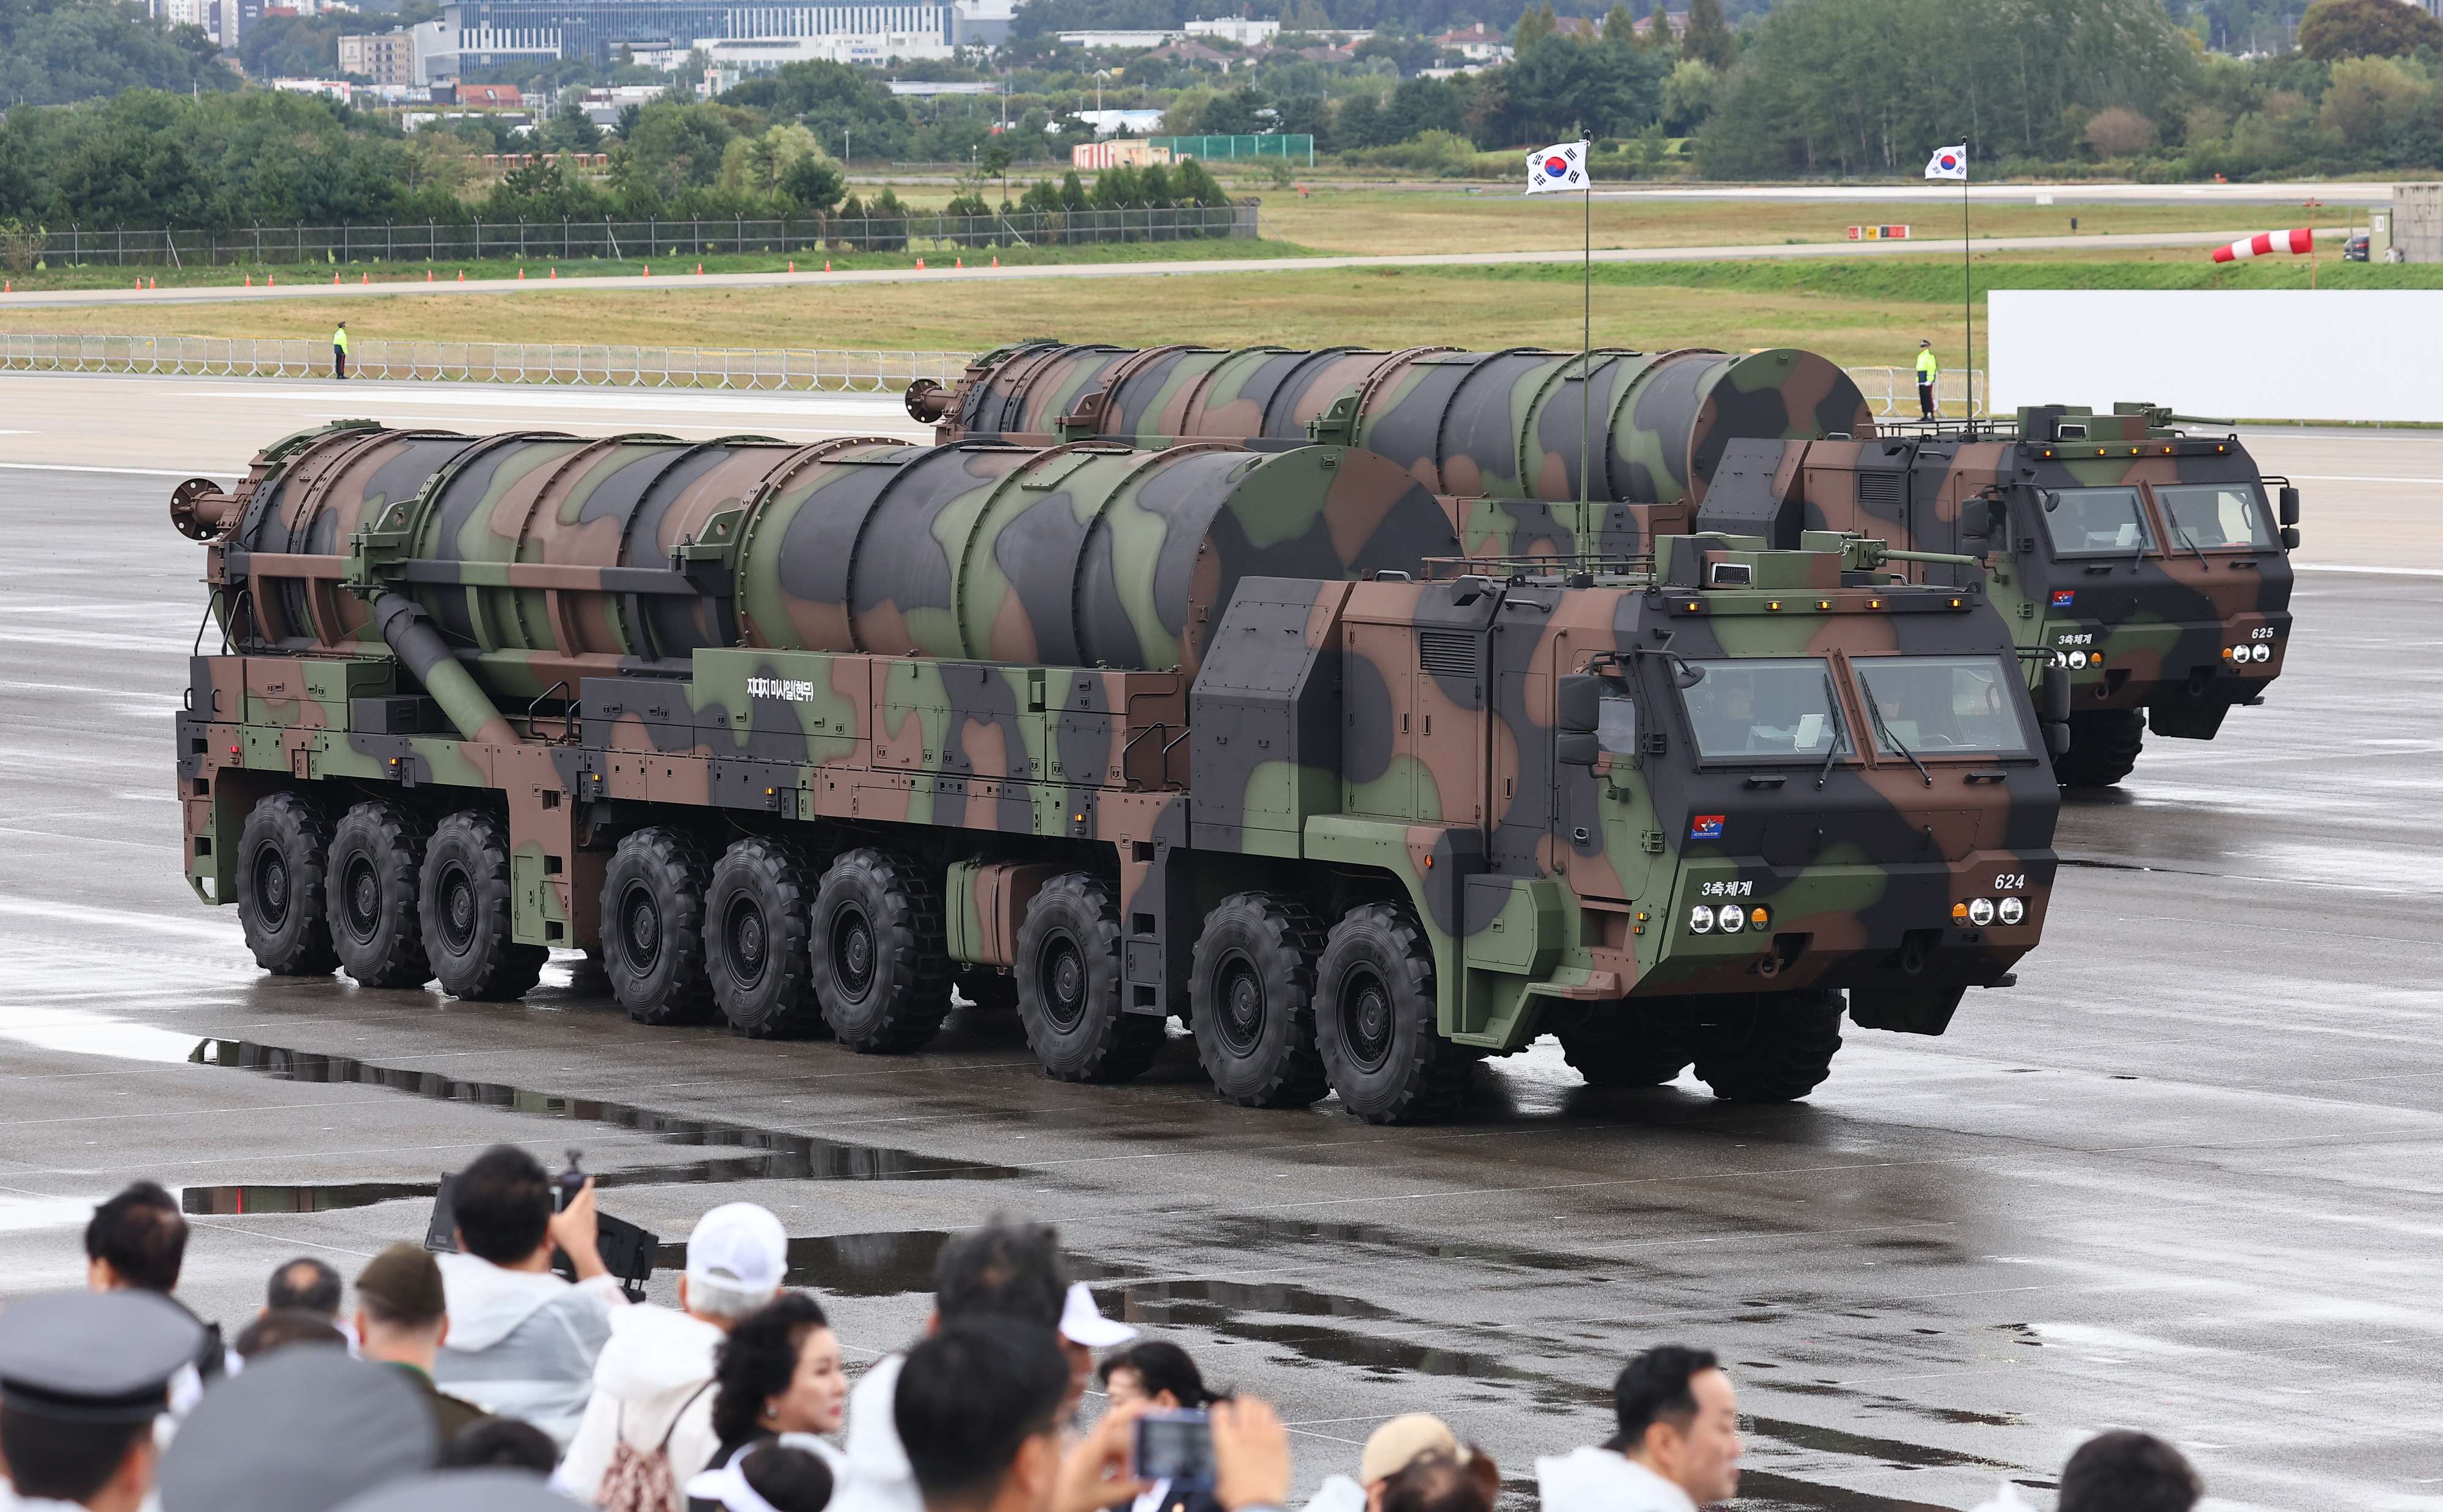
pixel 2010 882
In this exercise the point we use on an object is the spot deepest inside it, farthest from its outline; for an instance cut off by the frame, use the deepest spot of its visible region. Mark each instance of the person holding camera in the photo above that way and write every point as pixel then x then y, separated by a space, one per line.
pixel 523 1342
pixel 978 1408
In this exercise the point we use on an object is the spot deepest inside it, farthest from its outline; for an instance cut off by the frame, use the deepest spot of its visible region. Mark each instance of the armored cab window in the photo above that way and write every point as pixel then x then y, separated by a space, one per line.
pixel 1766 708
pixel 2096 522
pixel 2206 515
pixel 1943 705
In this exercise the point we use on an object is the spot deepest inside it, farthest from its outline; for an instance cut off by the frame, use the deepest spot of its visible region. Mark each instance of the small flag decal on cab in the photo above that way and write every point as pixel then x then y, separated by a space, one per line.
pixel 1705 827
pixel 2065 597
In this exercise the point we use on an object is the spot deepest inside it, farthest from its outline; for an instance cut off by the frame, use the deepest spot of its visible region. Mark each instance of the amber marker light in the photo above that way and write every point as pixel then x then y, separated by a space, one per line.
pixel 1874 602
pixel 1760 918
pixel 1772 604
pixel 1959 913
pixel 1822 603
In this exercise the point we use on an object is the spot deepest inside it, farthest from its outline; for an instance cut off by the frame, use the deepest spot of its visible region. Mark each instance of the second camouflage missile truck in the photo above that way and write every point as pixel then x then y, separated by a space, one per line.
pixel 2148 564
pixel 798 735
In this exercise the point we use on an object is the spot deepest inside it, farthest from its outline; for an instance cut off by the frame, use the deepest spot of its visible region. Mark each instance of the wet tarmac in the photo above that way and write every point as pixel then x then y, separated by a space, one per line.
pixel 2183 1177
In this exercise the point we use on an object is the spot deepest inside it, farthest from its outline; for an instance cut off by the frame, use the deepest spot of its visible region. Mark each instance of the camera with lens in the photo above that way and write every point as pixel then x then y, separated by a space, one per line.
pixel 626 1248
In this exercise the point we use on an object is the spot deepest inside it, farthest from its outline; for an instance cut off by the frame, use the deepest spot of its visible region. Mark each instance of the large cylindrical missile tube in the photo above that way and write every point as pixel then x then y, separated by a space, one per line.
pixel 541 558
pixel 1499 425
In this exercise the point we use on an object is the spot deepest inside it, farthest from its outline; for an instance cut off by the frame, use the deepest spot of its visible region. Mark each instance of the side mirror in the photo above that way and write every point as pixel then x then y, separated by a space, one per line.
pixel 2289 537
pixel 1576 748
pixel 2057 740
pixel 2052 705
pixel 2289 506
pixel 1577 701
pixel 2053 501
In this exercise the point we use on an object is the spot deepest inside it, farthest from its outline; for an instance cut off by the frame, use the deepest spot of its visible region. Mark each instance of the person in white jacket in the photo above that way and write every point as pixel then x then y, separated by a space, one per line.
pixel 523 1341
pixel 652 1383
pixel 1678 1447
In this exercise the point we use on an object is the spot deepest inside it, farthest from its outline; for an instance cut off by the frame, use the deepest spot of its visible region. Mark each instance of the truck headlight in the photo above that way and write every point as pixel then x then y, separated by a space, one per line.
pixel 2013 910
pixel 1733 919
pixel 1701 920
pixel 1981 912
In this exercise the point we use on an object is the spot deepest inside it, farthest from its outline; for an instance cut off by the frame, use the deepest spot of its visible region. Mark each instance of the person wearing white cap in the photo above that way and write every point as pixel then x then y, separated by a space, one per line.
pixel 648 1425
pixel 1084 1330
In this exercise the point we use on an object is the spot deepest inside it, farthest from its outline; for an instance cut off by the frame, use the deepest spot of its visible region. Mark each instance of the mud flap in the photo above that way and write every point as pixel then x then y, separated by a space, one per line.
pixel 1905 1010
pixel 2182 716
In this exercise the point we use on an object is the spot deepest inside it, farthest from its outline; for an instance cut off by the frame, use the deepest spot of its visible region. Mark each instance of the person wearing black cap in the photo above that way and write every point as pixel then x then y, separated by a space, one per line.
pixel 83 1376
pixel 138 1242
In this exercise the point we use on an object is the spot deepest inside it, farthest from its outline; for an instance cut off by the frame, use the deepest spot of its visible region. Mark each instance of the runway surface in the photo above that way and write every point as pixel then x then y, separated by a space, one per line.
pixel 2181 1177
pixel 41 299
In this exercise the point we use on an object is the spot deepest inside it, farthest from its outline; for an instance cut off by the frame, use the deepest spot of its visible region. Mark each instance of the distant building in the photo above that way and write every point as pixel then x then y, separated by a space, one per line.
pixel 491 96
pixel 494 33
pixel 1238 28
pixel 1116 41
pixel 982 23
pixel 1677 20
pixel 1117 154
pixel 386 57
pixel 1110 122
pixel 1475 43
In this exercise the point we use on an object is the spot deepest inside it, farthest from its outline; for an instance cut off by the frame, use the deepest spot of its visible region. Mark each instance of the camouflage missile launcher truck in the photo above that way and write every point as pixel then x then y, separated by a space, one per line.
pixel 799 737
pixel 2147 563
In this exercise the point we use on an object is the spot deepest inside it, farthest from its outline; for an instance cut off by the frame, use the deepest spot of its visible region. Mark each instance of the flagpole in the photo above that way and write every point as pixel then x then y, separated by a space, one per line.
pixel 1967 306
pixel 1587 345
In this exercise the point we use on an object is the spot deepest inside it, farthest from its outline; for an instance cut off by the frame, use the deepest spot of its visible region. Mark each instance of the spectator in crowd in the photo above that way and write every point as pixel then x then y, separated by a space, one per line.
pixel 1391 1448
pixel 138 1241
pixel 767 1478
pixel 307 1284
pixel 650 1424
pixel 299 1430
pixel 1439 1480
pixel 1005 1271
pixel 1678 1447
pixel 2128 1471
pixel 978 1408
pixel 1157 1374
pixel 523 1342
pixel 501 1442
pixel 1082 1330
pixel 82 1379
pixel 402 1316
pixel 283 1326
pixel 778 1371
pixel 1149 1375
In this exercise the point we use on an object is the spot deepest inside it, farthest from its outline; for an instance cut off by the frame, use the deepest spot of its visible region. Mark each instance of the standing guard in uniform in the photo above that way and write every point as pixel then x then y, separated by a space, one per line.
pixel 83 1376
pixel 1927 369
pixel 339 351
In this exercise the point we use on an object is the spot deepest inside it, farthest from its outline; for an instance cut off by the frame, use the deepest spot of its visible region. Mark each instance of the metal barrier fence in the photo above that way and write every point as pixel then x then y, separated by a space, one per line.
pixel 1893 391
pixel 483 362
pixel 568 240
pixel 1297 148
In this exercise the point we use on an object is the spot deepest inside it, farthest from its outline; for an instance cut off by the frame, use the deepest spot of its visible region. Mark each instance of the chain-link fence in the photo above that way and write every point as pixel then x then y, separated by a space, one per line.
pixel 570 240
pixel 1893 391
pixel 483 362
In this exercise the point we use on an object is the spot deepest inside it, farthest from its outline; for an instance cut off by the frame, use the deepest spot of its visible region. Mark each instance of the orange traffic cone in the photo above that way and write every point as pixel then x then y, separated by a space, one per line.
pixel 271 280
pixel 793 264
pixel 522 275
pixel 461 275
pixel 649 270
pixel 995 260
pixel 249 280
pixel 428 275
pixel 334 278
pixel 364 278
pixel 699 270
pixel 827 264
pixel 920 265
pixel 963 265
pixel 555 275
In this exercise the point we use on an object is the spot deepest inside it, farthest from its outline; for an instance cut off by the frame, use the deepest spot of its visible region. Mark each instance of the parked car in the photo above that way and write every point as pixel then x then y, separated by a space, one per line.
pixel 2355 249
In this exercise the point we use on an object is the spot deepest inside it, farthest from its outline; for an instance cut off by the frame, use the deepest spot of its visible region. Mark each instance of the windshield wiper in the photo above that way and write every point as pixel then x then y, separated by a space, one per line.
pixel 1840 732
pixel 1883 732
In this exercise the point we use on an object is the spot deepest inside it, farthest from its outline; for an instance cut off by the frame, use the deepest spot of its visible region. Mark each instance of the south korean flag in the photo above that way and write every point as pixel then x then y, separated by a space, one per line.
pixel 1557 168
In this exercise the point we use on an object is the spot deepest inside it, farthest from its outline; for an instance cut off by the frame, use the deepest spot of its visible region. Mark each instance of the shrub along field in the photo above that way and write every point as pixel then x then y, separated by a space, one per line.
pixel 1860 314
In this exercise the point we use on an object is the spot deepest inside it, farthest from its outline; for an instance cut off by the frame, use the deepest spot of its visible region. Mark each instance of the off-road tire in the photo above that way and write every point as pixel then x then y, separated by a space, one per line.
pixel 1251 991
pixel 463 902
pixel 1069 992
pixel 1618 1045
pixel 2103 745
pixel 652 928
pixel 881 972
pixel 755 921
pixel 1771 1047
pixel 377 858
pixel 989 987
pixel 1376 1021
pixel 284 857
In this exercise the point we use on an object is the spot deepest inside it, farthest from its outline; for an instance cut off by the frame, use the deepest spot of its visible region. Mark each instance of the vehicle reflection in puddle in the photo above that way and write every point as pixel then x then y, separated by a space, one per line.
pixel 771 1154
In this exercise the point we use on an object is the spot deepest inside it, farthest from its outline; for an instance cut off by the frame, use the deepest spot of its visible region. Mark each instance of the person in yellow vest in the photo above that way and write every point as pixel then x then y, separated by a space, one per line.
pixel 339 351
pixel 1927 369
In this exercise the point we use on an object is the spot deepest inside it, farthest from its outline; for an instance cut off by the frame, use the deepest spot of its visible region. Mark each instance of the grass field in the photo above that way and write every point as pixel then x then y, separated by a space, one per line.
pixel 1861 312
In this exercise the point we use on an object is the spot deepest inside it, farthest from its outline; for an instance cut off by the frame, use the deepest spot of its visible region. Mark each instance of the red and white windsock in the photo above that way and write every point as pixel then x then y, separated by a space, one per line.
pixel 2262 243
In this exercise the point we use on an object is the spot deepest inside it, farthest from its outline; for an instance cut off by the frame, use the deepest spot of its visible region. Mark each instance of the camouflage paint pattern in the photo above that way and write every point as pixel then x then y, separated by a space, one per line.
pixel 1503 428
pixel 2169 625
pixel 1199 668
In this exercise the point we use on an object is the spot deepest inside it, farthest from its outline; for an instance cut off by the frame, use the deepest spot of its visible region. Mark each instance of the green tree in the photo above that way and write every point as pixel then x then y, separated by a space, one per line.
pixel 1560 87
pixel 1358 123
pixel 1688 95
pixel 571 129
pixel 1534 26
pixel 54 52
pixel 1708 39
pixel 2366 29
pixel 1619 25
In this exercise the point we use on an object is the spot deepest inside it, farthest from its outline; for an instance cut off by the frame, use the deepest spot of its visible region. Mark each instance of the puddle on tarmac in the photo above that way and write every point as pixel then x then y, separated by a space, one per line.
pixel 766 1154
pixel 1891 1451
pixel 1247 1233
pixel 222 1202
pixel 1212 1301
pixel 1763 1491
pixel 82 1033
pixel 20 1212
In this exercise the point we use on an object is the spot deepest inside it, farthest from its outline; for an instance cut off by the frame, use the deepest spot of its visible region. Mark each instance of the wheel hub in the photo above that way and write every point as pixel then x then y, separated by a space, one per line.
pixel 1367 1020
pixel 363 892
pixel 271 885
pixel 747 935
pixel 457 909
pixel 644 928
pixel 1063 979
pixel 1243 1005
pixel 853 952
